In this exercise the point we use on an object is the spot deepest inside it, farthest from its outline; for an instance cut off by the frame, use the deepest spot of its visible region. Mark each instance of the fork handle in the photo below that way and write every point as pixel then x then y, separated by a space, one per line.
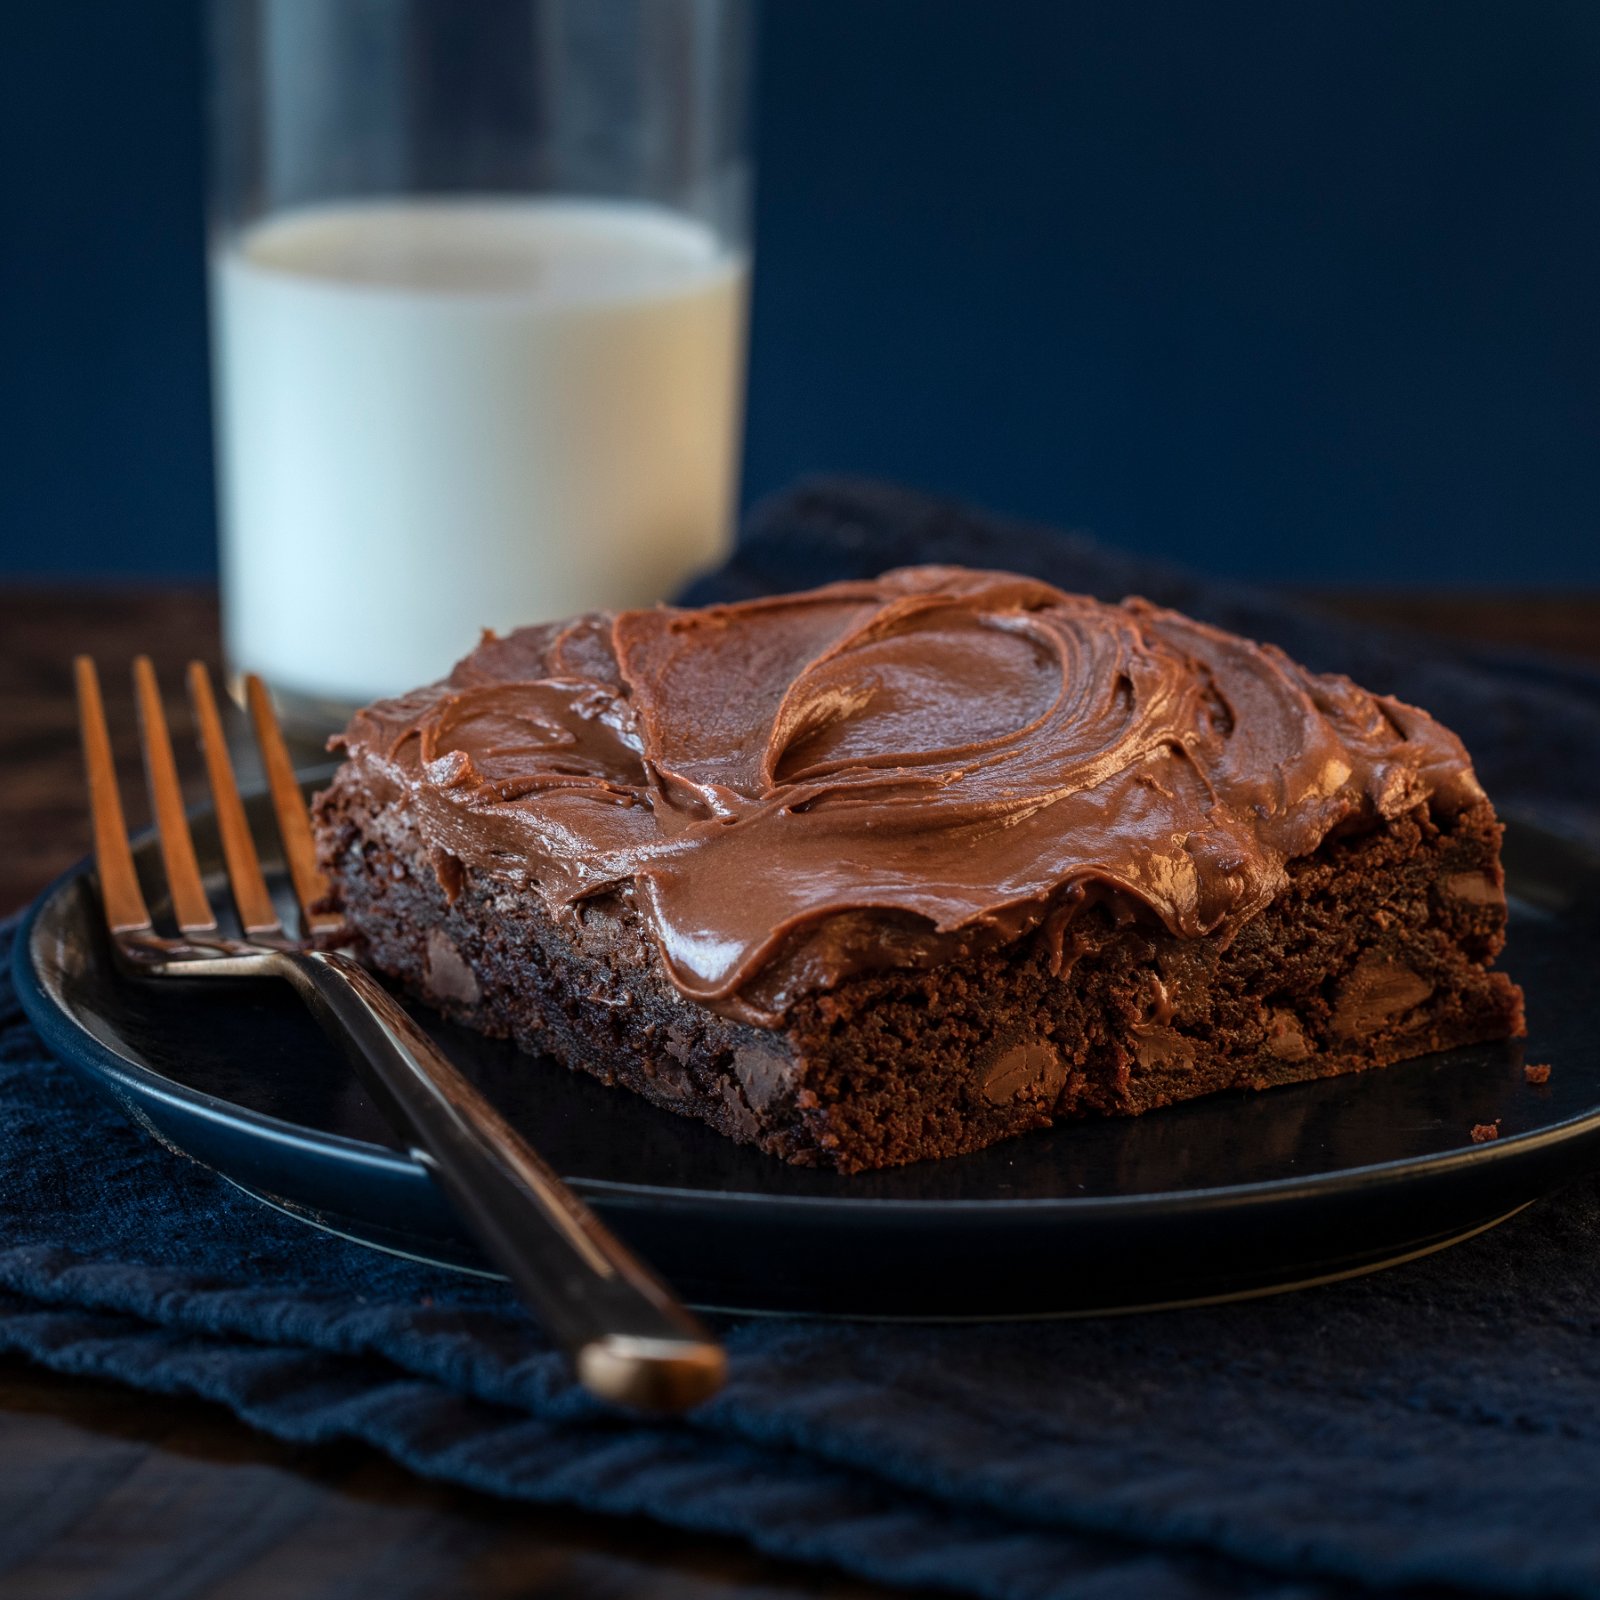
pixel 628 1337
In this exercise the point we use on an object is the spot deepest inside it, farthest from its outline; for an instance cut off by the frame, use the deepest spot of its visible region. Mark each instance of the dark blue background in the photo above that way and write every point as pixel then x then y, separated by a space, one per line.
pixel 1298 290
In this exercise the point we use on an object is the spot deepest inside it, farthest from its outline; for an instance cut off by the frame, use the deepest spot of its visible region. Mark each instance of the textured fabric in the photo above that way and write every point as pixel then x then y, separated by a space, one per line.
pixel 1433 1427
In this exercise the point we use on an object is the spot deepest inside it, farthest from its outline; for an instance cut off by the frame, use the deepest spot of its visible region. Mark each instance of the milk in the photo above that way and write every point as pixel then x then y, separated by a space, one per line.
pixel 438 416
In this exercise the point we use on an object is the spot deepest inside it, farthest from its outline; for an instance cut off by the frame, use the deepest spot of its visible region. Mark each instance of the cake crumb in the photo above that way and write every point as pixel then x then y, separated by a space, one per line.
pixel 1483 1132
pixel 1537 1072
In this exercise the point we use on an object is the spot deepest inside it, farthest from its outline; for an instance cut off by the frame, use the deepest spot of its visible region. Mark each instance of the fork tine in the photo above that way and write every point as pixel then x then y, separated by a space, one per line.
pixel 294 825
pixel 120 895
pixel 257 913
pixel 189 902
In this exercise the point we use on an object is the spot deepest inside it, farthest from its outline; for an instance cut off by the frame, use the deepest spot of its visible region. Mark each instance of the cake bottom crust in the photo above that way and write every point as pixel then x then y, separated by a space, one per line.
pixel 1377 950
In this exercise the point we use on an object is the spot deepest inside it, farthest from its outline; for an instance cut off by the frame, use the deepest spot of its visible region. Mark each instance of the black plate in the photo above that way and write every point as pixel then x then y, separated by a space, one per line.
pixel 1237 1194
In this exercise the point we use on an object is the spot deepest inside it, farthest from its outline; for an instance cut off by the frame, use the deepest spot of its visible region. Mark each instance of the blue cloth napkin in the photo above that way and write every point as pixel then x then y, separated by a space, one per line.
pixel 1432 1428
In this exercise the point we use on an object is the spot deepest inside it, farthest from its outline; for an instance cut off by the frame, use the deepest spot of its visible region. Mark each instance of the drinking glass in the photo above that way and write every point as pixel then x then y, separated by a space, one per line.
pixel 478 284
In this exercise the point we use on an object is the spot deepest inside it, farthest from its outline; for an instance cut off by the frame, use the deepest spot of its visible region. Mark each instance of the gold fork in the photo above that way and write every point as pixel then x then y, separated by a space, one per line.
pixel 628 1338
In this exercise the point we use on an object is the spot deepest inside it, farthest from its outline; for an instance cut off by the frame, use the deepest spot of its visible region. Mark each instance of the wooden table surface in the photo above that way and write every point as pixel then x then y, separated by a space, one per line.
pixel 108 1493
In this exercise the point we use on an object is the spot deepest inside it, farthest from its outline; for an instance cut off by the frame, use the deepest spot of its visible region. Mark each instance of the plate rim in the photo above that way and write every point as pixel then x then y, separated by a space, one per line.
pixel 70 1041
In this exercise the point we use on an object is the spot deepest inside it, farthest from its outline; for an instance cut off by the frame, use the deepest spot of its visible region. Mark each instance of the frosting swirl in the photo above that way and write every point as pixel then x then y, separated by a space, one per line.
pixel 893 772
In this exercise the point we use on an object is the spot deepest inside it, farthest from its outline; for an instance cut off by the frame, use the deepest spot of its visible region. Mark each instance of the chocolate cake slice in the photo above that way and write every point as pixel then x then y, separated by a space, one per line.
pixel 892 870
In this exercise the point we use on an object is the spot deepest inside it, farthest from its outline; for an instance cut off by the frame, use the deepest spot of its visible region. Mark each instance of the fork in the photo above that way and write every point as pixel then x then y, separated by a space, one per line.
pixel 628 1338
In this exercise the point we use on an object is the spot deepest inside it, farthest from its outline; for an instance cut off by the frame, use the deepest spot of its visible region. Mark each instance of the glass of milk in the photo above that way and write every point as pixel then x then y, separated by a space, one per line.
pixel 479 271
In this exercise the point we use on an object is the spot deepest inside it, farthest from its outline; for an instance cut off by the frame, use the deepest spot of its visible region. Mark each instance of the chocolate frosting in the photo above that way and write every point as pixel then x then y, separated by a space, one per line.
pixel 892 773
